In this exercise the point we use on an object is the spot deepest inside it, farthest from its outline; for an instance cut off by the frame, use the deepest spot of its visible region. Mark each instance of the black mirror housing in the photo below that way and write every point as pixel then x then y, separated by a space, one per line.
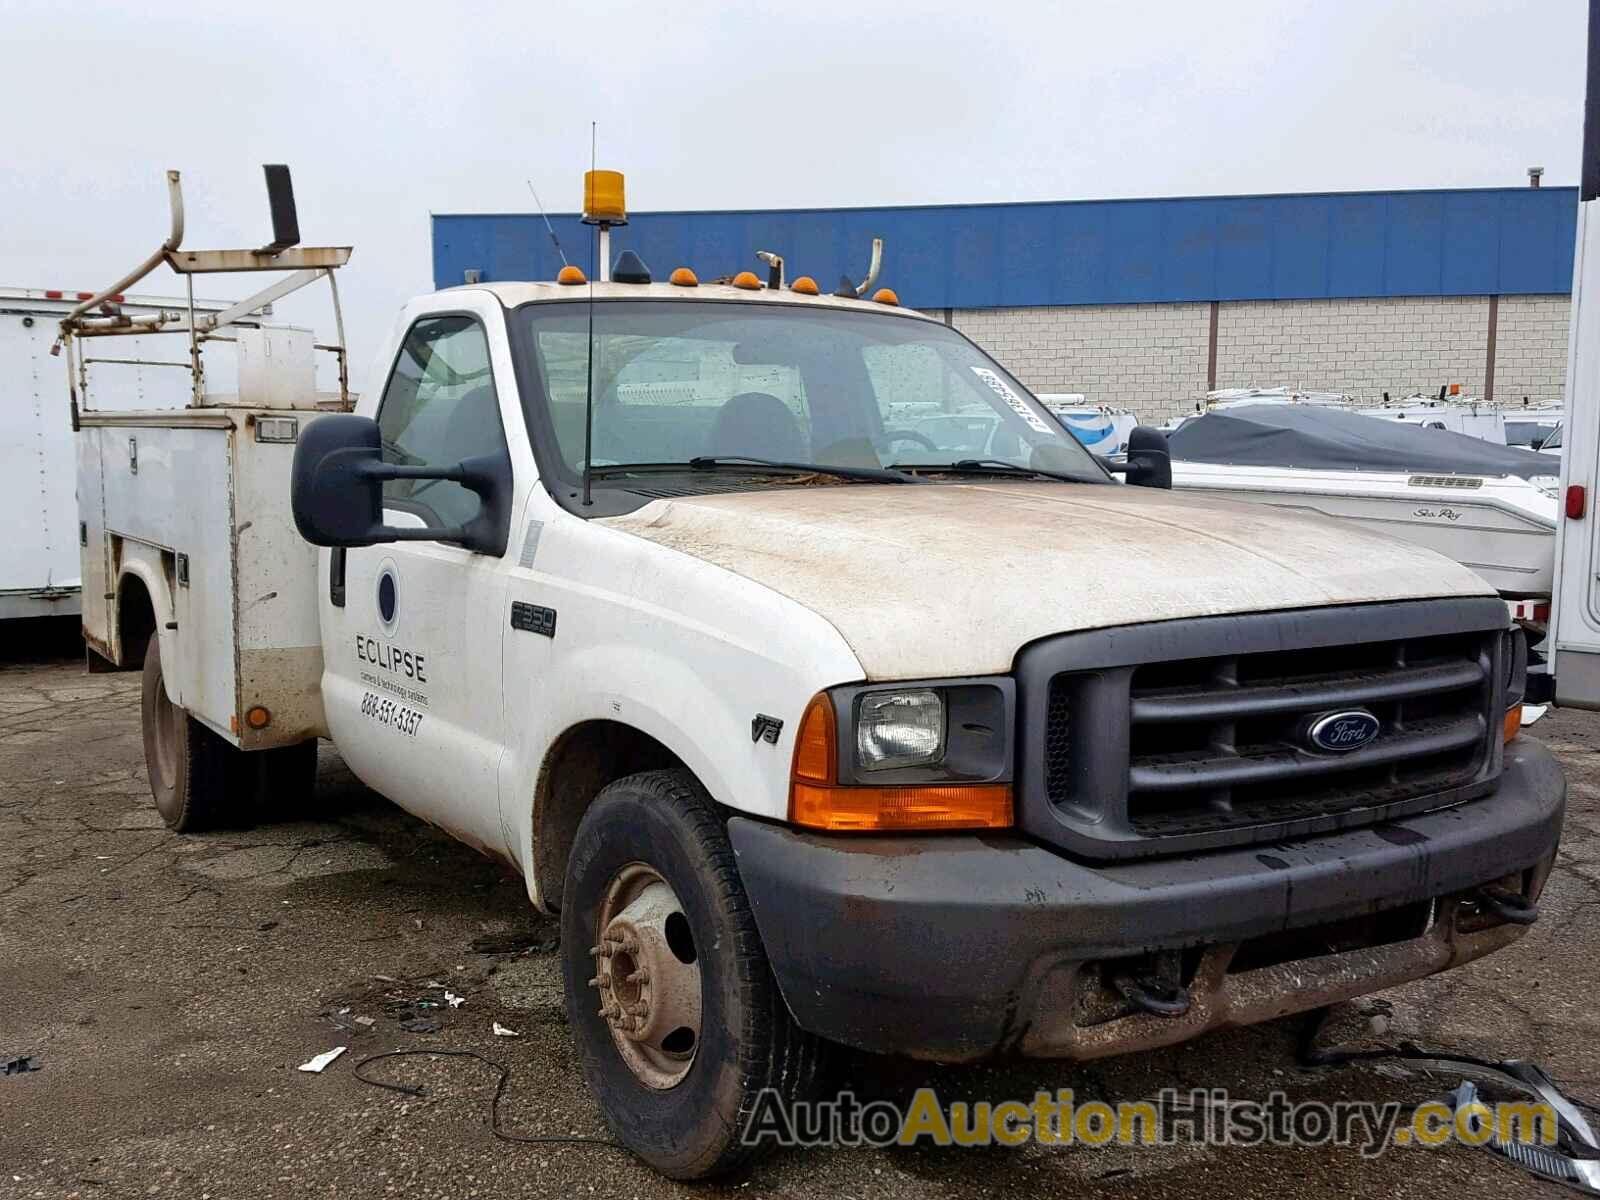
pixel 336 490
pixel 1149 460
pixel 336 499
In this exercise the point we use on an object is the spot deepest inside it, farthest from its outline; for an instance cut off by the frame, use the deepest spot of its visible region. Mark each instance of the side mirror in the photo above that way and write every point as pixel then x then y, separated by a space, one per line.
pixel 336 490
pixel 1149 461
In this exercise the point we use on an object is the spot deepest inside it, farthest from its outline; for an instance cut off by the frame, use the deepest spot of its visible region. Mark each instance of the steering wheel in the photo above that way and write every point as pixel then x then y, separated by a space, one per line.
pixel 891 436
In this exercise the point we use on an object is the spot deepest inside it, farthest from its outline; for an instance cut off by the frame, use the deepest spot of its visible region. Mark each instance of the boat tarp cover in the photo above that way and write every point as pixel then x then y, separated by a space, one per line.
pixel 1316 438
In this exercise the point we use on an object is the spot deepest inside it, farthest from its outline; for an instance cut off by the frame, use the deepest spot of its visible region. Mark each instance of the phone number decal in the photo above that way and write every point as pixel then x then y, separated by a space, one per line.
pixel 394 716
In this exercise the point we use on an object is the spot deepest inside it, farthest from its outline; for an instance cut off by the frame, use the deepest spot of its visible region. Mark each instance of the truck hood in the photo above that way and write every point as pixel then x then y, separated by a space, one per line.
pixel 953 579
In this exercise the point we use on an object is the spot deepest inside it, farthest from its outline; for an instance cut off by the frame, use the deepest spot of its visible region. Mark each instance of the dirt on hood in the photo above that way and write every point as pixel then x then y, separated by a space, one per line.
pixel 953 579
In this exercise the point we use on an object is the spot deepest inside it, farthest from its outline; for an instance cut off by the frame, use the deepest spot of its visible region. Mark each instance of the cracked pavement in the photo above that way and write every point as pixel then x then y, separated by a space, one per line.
pixel 169 986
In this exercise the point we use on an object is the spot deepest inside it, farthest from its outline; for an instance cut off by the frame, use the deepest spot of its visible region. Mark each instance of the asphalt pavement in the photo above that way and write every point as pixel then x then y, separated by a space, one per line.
pixel 167 988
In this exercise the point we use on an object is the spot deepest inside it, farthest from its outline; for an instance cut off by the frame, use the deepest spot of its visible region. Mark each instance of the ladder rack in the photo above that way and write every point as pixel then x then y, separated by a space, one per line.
pixel 101 315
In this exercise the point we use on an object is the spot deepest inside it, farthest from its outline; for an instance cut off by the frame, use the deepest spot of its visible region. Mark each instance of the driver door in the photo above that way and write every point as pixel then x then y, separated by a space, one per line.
pixel 417 711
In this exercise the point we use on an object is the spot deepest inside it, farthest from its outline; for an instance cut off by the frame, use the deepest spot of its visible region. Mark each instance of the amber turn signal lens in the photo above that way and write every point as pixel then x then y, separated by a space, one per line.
pixel 570 274
pixel 1513 724
pixel 816 746
pixel 930 807
pixel 806 286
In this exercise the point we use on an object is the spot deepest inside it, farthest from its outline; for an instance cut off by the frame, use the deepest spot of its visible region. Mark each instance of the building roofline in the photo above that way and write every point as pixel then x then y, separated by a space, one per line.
pixel 986 205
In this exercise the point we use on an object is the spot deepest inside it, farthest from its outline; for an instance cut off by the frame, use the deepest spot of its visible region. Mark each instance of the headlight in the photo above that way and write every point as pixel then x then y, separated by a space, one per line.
pixel 932 755
pixel 899 729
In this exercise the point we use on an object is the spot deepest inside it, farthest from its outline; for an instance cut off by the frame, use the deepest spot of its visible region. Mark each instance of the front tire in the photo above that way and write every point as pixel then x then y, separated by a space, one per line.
pixel 196 777
pixel 678 1021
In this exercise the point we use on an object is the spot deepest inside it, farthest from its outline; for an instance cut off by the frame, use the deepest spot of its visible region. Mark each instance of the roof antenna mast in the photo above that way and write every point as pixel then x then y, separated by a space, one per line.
pixel 588 388
pixel 554 241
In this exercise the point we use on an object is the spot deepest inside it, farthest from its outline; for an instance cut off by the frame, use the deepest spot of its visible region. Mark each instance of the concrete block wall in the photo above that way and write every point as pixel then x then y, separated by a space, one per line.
pixel 1146 355
pixel 1531 348
pixel 1153 358
pixel 1361 347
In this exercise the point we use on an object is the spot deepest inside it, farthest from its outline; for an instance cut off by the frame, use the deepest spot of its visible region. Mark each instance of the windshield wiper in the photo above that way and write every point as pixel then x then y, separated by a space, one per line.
pixel 710 462
pixel 996 466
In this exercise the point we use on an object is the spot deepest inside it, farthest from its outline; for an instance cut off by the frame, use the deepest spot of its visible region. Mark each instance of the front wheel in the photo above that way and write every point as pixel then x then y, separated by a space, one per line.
pixel 678 1021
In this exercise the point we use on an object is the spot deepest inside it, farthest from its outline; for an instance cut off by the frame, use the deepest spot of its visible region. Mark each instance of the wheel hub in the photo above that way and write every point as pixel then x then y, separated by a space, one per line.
pixel 647 976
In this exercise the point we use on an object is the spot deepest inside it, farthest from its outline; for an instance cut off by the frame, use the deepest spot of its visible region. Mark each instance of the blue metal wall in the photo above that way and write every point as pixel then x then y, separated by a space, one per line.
pixel 1434 243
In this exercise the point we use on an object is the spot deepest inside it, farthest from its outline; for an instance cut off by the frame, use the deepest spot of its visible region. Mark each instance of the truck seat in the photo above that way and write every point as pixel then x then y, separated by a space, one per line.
pixel 758 425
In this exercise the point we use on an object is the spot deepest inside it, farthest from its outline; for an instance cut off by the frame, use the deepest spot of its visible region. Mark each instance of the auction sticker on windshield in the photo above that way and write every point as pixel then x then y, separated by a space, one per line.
pixel 1016 403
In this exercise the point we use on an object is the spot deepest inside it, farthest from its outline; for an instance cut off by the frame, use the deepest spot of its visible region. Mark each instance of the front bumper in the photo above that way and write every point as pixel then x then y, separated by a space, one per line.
pixel 954 948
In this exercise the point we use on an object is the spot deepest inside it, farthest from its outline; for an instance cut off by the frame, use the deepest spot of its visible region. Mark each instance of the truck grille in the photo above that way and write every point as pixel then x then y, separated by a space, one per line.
pixel 1217 742
pixel 1191 734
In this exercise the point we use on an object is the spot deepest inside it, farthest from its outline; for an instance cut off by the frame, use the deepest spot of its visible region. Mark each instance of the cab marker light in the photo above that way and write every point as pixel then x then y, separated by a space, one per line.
pixel 817 801
pixel 885 296
pixel 258 717
pixel 683 277
pixel 805 285
pixel 570 275
pixel 747 281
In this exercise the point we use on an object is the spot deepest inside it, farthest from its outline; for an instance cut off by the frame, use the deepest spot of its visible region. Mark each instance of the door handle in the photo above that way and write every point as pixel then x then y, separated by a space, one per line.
pixel 336 576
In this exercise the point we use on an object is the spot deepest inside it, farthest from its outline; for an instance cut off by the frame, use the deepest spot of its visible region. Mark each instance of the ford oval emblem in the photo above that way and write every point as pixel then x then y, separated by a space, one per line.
pixel 1340 732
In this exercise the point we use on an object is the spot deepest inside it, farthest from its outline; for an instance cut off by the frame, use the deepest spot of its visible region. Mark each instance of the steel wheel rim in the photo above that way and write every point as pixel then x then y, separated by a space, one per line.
pixel 647 976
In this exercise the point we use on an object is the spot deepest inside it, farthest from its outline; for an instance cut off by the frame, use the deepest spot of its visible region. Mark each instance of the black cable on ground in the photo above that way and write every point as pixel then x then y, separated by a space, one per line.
pixel 504 1073
pixel 1308 1055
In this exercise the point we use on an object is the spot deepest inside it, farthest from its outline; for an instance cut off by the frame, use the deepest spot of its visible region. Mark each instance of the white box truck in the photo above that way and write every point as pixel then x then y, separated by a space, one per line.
pixel 787 710
pixel 39 575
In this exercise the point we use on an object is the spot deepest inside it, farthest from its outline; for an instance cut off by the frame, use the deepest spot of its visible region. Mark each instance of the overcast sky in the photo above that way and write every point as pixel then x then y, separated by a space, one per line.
pixel 387 112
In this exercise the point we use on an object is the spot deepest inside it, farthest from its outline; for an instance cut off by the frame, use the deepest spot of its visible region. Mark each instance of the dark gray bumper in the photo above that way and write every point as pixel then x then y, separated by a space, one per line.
pixel 956 947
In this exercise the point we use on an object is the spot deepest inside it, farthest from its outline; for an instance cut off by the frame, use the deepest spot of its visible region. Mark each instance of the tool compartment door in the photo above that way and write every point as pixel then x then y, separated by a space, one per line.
pixel 168 481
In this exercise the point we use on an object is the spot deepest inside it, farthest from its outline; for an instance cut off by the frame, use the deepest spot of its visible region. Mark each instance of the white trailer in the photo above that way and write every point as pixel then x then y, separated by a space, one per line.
pixel 39 572
pixel 1575 607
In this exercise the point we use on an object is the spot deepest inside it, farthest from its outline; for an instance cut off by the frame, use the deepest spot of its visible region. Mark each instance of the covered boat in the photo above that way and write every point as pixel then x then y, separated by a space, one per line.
pixel 1489 507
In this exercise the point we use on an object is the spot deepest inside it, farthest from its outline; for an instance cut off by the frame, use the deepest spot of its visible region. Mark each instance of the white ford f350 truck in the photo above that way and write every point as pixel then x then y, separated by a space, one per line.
pixel 812 732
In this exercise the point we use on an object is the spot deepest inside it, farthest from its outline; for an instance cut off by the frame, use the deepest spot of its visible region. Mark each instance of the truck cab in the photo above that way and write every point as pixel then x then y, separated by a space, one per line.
pixel 669 596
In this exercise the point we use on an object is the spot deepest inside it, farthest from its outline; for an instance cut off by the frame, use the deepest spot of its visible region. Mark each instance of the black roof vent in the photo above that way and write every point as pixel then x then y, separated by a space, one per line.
pixel 630 268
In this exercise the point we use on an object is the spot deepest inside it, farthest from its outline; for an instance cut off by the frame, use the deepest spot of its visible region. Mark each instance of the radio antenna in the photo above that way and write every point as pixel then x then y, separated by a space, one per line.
pixel 588 389
pixel 554 241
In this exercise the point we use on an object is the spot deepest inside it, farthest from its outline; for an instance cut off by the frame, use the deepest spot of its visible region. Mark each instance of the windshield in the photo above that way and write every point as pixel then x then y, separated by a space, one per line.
pixel 1529 433
pixel 682 380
